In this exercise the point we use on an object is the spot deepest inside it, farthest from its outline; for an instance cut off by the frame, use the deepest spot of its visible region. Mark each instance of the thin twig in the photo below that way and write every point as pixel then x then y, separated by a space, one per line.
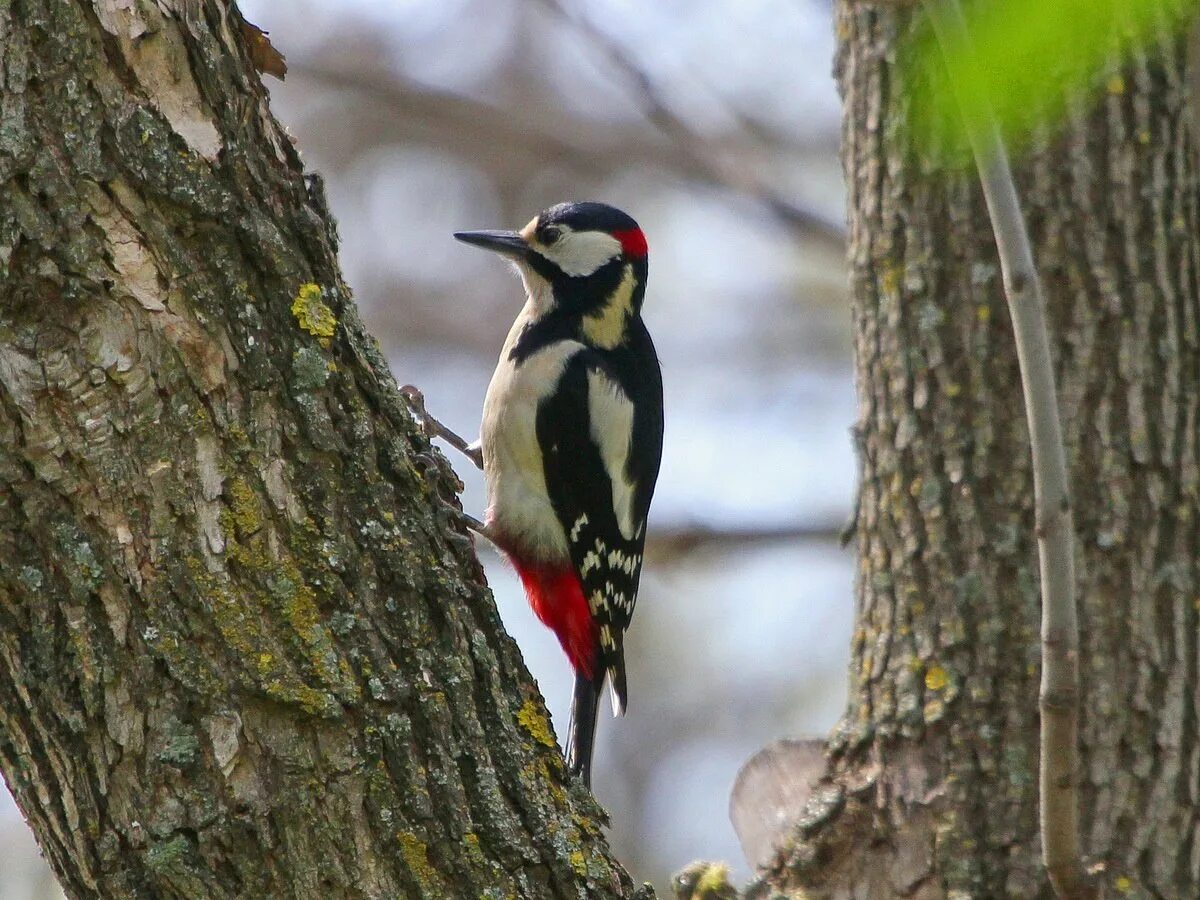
pixel 468 124
pixel 1059 694
pixel 734 174
pixel 677 540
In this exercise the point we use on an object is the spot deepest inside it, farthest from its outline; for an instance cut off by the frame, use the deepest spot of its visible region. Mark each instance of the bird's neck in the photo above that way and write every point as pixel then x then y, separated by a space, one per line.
pixel 600 320
pixel 607 325
pixel 606 329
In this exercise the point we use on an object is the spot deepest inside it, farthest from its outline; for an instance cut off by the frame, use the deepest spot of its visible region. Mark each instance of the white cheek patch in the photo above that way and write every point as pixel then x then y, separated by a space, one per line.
pixel 582 252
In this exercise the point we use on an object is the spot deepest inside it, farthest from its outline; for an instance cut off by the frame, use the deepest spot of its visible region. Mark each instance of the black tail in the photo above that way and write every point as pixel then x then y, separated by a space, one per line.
pixel 581 733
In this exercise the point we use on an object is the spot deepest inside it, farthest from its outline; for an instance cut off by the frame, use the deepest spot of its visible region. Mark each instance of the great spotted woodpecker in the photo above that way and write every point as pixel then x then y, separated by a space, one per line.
pixel 571 440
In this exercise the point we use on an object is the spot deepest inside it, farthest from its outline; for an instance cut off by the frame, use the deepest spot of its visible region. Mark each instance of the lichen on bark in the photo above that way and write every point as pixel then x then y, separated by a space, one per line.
pixel 931 790
pixel 245 648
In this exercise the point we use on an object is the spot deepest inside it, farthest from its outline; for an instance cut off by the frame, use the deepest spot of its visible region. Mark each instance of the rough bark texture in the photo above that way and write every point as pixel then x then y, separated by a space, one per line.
pixel 932 784
pixel 241 652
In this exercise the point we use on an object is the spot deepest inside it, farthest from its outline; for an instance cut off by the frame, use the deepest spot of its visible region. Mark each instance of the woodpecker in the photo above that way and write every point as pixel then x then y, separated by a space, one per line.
pixel 571 440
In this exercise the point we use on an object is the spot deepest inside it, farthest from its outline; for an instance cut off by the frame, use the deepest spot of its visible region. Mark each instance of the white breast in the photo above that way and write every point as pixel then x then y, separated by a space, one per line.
pixel 518 503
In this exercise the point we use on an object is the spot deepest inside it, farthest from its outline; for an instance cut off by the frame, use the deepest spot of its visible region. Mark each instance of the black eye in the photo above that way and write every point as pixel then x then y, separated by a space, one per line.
pixel 550 234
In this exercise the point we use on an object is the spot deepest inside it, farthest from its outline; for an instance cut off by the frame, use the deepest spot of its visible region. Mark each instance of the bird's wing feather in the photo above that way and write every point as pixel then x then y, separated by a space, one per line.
pixel 586 429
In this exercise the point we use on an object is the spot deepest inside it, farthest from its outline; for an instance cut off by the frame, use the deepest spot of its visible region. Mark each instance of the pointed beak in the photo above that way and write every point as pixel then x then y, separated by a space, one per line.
pixel 509 243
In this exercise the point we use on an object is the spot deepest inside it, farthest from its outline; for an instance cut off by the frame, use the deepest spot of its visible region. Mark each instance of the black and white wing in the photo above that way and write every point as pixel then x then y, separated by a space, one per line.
pixel 601 439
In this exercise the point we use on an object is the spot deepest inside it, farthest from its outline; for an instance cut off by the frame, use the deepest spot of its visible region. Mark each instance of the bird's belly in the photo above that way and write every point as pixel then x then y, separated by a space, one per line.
pixel 519 506
pixel 521 513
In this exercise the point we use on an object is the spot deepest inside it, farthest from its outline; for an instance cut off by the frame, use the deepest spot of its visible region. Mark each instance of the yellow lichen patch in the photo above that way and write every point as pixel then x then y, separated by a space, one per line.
pixel 313 314
pixel 299 603
pixel 936 678
pixel 1115 85
pixel 309 699
pixel 1123 884
pixel 714 882
pixel 983 313
pixel 237 434
pixel 579 863
pixel 865 663
pixel 539 775
pixel 416 856
pixel 236 612
pixel 246 516
pixel 536 724
pixel 890 277
pixel 287 589
pixel 585 825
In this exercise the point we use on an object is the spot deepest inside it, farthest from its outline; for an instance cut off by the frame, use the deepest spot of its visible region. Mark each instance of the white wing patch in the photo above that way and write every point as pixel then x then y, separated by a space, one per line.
pixel 611 414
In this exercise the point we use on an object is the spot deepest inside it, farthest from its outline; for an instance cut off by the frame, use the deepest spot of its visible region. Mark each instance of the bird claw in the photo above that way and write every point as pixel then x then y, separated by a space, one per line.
pixel 433 428
pixel 449 513
pixel 416 403
pixel 463 542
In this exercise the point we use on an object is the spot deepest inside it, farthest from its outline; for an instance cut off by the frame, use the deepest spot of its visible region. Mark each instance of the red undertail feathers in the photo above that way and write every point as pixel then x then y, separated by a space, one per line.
pixel 557 599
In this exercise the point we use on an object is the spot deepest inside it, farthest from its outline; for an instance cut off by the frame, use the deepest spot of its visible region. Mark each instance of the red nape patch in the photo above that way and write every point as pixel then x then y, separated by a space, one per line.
pixel 557 599
pixel 633 242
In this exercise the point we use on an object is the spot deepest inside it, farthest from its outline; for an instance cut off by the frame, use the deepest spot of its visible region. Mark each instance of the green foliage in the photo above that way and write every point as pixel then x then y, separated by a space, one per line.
pixel 1028 61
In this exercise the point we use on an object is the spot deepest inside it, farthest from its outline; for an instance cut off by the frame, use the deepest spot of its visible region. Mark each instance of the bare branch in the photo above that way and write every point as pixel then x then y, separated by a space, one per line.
pixel 671 542
pixel 1059 694
pixel 730 172
pixel 468 124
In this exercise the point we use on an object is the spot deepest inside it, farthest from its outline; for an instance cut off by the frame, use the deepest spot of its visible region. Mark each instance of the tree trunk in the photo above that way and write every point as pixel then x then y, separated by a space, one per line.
pixel 931 791
pixel 245 650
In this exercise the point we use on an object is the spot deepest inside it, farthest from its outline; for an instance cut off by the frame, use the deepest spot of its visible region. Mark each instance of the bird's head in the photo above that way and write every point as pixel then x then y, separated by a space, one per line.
pixel 582 262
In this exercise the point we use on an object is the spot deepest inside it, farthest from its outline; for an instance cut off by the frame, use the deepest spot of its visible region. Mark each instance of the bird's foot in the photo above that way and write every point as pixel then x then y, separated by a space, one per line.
pixel 449 513
pixel 434 428
pixel 480 528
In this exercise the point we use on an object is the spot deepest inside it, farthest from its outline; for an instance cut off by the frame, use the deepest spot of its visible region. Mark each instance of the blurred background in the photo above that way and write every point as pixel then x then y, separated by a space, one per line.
pixel 716 126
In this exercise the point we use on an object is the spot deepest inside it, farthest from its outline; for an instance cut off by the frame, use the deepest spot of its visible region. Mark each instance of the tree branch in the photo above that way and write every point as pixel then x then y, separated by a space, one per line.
pixel 732 173
pixel 468 123
pixel 1059 694
pixel 669 543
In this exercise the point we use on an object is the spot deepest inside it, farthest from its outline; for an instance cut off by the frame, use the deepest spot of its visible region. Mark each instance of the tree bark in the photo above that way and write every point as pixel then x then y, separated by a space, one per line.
pixel 931 789
pixel 246 649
